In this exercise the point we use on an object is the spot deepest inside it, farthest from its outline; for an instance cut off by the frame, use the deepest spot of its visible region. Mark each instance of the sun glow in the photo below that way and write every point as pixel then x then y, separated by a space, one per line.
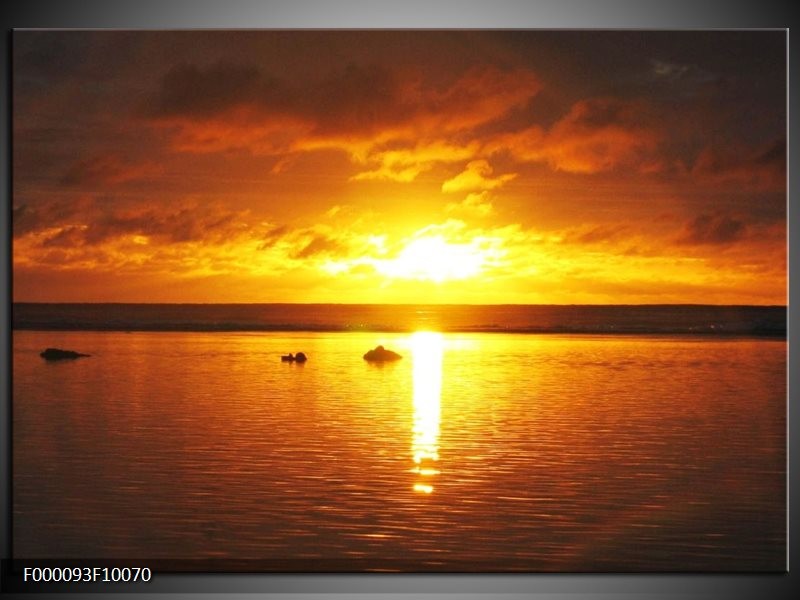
pixel 433 258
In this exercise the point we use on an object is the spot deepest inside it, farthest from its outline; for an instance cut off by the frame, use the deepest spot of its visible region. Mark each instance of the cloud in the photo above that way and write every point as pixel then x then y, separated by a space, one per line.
pixel 108 169
pixel 390 119
pixel 596 234
pixel 667 70
pixel 27 218
pixel 355 101
pixel 359 99
pixel 66 237
pixel 684 80
pixel 89 222
pixel 474 205
pixel 600 135
pixel 762 167
pixel 190 91
pixel 475 177
pixel 34 217
pixel 321 245
pixel 313 243
pixel 596 135
pixel 713 230
pixel 481 95
pixel 273 235
pixel 405 164
pixel 239 130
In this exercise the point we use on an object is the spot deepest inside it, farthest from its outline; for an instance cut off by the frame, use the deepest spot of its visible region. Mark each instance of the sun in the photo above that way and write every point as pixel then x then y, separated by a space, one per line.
pixel 432 258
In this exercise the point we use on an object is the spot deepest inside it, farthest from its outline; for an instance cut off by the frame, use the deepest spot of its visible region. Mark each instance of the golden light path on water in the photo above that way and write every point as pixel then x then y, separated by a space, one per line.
pixel 426 352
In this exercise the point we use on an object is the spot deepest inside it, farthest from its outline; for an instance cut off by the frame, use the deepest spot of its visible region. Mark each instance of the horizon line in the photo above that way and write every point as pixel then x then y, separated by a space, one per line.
pixel 398 303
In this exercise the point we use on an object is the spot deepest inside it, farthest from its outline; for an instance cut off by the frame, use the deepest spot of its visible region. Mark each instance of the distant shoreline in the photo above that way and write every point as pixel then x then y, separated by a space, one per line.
pixel 668 319
pixel 403 304
pixel 771 334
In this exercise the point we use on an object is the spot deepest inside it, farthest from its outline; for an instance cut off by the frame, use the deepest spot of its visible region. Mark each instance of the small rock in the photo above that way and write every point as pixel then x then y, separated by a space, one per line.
pixel 59 354
pixel 381 354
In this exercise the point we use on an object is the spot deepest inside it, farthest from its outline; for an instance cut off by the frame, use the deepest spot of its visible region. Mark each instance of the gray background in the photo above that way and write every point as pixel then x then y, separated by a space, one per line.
pixel 434 14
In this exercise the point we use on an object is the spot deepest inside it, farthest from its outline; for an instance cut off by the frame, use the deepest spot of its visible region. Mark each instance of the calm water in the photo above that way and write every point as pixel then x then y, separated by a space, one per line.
pixel 476 452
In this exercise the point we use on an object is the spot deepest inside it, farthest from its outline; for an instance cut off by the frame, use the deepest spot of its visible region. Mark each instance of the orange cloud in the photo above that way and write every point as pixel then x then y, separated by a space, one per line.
pixel 717 230
pixel 475 204
pixel 387 118
pixel 482 95
pixel 240 128
pixel 356 102
pixel 596 234
pixel 109 169
pixel 315 242
pixel 91 222
pixel 762 168
pixel 476 176
pixel 596 135
pixel 406 164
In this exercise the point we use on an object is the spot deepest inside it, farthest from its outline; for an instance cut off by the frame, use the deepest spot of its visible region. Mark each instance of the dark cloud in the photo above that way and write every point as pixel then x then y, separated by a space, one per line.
pixel 596 135
pixel 191 224
pixel 772 155
pixel 713 230
pixel 47 59
pixel 273 236
pixel 188 90
pixel 30 217
pixel 359 99
pixel 321 245
pixel 598 113
pixel 306 242
pixel 763 167
pixel 68 237
pixel 596 235
pixel 100 170
pixel 24 219
pixel 92 222
pixel 356 97
pixel 682 82
pixel 354 102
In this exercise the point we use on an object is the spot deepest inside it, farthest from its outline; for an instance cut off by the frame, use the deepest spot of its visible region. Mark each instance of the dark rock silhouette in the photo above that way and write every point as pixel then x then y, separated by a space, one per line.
pixel 299 357
pixel 59 354
pixel 381 354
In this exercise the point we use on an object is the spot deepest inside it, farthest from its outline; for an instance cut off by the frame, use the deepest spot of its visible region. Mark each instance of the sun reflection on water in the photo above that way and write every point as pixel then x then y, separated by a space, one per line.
pixel 426 352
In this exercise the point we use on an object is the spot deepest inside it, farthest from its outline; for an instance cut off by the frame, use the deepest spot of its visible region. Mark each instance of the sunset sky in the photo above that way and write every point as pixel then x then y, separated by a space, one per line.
pixel 531 166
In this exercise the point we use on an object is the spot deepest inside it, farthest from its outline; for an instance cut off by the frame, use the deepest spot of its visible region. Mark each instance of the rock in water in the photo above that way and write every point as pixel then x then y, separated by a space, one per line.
pixel 59 354
pixel 381 354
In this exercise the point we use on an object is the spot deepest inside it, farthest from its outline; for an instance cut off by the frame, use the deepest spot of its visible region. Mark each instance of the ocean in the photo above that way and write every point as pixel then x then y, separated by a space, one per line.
pixel 506 439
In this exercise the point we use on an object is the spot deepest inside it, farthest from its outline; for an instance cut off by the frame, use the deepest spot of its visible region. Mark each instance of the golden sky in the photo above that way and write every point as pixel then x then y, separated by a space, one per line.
pixel 532 166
